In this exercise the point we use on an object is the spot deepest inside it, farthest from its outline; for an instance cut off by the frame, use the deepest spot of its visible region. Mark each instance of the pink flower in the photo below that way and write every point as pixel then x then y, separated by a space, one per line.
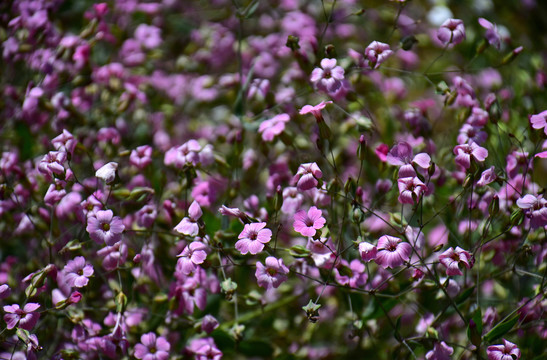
pixel 451 31
pixel 152 347
pixel 466 152
pixel 329 77
pixel 141 157
pixel 451 259
pixel 536 209
pixel 307 223
pixel 107 172
pixel 204 349
pixel 411 190
pixel 315 110
pixel 402 155
pixel 188 225
pixel 539 121
pixel 488 176
pixel 253 237
pixel 474 133
pixel 273 274
pixel 440 351
pixel 53 163
pixel 367 251
pixel 377 53
pixel 24 318
pixel 64 142
pixel 273 127
pixel 307 175
pixel 192 256
pixel 76 272
pixel 103 226
pixel 392 252
pixel 492 34
pixel 507 351
pixel 209 323
pixel 148 36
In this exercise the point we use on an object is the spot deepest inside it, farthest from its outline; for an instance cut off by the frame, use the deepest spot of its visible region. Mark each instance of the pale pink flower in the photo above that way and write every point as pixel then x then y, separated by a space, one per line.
pixel 488 176
pixel 377 53
pixel 411 190
pixel 307 175
pixel 367 251
pixel 536 209
pixel 24 318
pixel 464 153
pixel 141 157
pixel 273 127
pixel 152 347
pixel 103 226
pixel 64 142
pixel 328 77
pixel 76 272
pixel 492 34
pixel 253 237
pixel 272 274
pixel 315 110
pixel 192 256
pixel 539 121
pixel 402 155
pixel 189 225
pixel 507 351
pixel 451 259
pixel 107 172
pixel 392 252
pixel 452 31
pixel 307 223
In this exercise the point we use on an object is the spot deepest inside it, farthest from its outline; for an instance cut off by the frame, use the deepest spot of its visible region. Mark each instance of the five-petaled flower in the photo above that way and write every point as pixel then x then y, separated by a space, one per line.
pixel 253 237
pixel 103 226
pixel 539 121
pixel 411 189
pixel 306 223
pixel 392 252
pixel 466 152
pixel 307 175
pixel 77 272
pixel 451 31
pixel 273 127
pixel 272 274
pixel 377 53
pixel 403 156
pixel 536 209
pixel 451 259
pixel 328 77
pixel 24 318
pixel 192 256
pixel 507 351
pixel 315 110
pixel 152 347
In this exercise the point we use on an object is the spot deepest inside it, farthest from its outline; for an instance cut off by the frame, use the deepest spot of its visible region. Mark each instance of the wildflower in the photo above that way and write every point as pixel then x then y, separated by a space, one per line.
pixel 292 200
pixel 273 127
pixel 192 256
pixel 107 172
pixel 272 274
pixel 377 53
pixel 392 252
pixel 451 259
pixel 204 349
pixel 147 215
pixel 76 272
pixel 411 190
pixel 328 77
pixel 141 157
pixel 152 347
pixel 148 36
pixel 492 34
pixel 307 223
pixel 307 175
pixel 103 226
pixel 535 208
pixel 209 323
pixel 507 351
pixel 466 152
pixel 451 31
pixel 474 133
pixel 253 237
pixel 367 251
pixel 188 225
pixel 488 176
pixel 440 351
pixel 315 110
pixel 55 192
pixel 539 121
pixel 402 155
pixel 24 318
pixel 53 163
pixel 64 142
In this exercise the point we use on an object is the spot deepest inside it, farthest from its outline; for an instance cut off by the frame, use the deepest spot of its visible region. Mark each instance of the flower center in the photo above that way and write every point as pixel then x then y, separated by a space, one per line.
pixel 271 271
pixel 105 226
pixel 253 235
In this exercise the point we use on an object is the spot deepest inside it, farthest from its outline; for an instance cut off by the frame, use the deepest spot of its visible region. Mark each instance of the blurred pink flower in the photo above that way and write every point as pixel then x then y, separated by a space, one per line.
pixel 452 31
pixel 24 318
pixel 152 347
pixel 272 274
pixel 273 127
pixel 377 53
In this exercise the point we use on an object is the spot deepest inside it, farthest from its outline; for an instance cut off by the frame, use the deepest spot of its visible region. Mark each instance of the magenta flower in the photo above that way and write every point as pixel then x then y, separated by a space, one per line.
pixel 367 251
pixel 53 163
pixel 536 209
pixel 192 256
pixel 204 349
pixel 273 127
pixel 64 142
pixel 403 156
pixel 307 175
pixel 141 157
pixel 328 77
pixel 539 121
pixel 492 34
pixel 189 225
pixel 451 31
pixel 411 190
pixel 474 133
pixel 466 152
pixel 76 272
pixel 451 259
pixel 253 237
pixel 441 351
pixel 377 53
pixel 307 223
pixel 488 176
pixel 209 323
pixel 152 347
pixel 103 226
pixel 507 351
pixel 24 318
pixel 271 275
pixel 148 36
pixel 392 252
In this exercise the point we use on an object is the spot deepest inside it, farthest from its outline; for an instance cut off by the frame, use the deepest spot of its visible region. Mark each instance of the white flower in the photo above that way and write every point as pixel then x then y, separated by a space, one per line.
pixel 107 172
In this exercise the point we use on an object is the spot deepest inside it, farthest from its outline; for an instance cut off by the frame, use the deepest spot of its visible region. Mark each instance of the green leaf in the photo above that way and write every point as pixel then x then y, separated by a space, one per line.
pixel 465 295
pixel 474 329
pixel 502 328
pixel 257 348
